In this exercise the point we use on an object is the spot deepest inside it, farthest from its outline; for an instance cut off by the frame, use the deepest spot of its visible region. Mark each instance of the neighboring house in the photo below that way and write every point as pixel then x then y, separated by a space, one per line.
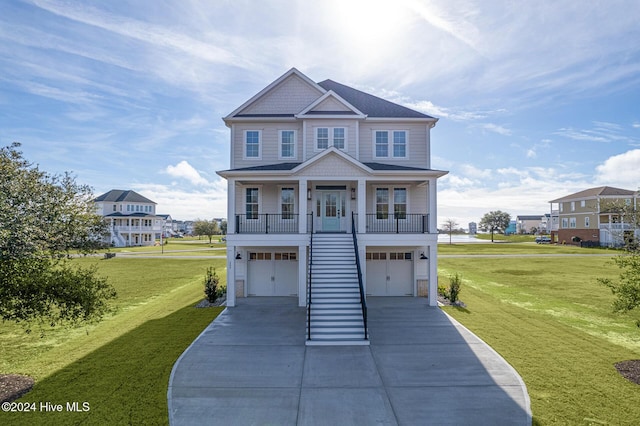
pixel 529 224
pixel 312 162
pixel 511 229
pixel 167 225
pixel 473 228
pixel 131 217
pixel 587 216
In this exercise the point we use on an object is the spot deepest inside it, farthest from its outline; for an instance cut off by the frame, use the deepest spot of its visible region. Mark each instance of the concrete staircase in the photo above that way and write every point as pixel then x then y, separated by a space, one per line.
pixel 336 312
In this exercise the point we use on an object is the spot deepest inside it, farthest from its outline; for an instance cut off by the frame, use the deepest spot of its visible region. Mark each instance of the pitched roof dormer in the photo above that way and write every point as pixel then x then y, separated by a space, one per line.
pixel 330 105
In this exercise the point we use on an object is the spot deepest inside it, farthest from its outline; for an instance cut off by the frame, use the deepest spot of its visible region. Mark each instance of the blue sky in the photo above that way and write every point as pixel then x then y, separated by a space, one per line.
pixel 535 99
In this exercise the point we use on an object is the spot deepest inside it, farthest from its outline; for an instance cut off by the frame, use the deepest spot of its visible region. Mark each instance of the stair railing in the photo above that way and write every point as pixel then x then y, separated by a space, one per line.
pixel 309 280
pixel 363 301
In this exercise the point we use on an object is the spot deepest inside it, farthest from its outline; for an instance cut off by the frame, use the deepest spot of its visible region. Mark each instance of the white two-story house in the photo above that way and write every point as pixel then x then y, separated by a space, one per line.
pixel 131 218
pixel 317 169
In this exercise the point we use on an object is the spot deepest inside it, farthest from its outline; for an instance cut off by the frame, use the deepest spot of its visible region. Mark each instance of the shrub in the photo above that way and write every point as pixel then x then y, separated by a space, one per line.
pixel 454 287
pixel 211 281
pixel 442 290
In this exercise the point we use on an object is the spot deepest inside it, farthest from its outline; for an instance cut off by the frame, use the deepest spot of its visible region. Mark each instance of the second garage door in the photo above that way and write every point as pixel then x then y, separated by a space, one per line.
pixel 272 273
pixel 390 273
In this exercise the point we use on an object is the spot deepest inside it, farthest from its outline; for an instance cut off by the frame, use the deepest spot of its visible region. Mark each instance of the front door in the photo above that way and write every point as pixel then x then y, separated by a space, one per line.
pixel 331 210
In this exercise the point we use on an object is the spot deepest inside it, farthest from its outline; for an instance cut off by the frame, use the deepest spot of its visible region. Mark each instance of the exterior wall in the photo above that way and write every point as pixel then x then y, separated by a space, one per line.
pixel 565 235
pixel 330 104
pixel 311 125
pixel 269 143
pixel 417 146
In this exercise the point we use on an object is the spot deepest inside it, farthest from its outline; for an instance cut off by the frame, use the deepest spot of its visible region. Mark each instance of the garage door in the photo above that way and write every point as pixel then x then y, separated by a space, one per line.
pixel 272 273
pixel 390 273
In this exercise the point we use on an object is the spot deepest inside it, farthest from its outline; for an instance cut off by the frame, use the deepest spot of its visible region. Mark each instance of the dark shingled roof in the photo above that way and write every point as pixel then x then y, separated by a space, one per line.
pixel 137 214
pixel 117 195
pixel 370 105
pixel 380 166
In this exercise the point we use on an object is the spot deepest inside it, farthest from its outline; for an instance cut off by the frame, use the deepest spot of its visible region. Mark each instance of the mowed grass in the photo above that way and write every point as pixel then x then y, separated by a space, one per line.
pixel 120 366
pixel 551 320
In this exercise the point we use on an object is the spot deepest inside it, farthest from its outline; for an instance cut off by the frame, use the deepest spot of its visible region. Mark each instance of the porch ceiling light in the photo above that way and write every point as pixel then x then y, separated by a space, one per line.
pixel 309 194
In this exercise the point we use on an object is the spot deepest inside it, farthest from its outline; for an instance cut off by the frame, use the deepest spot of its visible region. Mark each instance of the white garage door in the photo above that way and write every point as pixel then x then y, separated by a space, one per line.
pixel 390 274
pixel 272 273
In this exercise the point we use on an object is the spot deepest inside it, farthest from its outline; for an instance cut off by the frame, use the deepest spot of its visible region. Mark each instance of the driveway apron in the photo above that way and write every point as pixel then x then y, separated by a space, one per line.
pixel 250 366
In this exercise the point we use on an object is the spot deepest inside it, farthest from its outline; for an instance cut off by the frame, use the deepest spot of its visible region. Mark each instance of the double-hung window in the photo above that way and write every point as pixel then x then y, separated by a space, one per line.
pixel 251 203
pixel 287 202
pixel 382 203
pixel 572 222
pixel 390 144
pixel 287 144
pixel 400 203
pixel 252 147
pixel 330 136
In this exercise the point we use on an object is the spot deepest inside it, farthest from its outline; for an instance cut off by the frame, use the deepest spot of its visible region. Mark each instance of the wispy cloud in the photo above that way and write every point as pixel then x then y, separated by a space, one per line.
pixel 600 132
pixel 495 128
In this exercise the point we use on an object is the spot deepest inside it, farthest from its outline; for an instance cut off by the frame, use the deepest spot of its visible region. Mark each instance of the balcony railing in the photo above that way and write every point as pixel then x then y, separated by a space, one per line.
pixel 277 223
pixel 267 223
pixel 403 223
pixel 616 226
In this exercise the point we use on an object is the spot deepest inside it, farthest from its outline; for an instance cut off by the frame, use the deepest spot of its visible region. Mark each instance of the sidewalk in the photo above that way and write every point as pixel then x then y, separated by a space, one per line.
pixel 251 367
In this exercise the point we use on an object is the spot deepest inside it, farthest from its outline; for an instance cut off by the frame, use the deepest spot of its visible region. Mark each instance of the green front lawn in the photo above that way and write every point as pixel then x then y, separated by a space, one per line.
pixel 120 366
pixel 553 323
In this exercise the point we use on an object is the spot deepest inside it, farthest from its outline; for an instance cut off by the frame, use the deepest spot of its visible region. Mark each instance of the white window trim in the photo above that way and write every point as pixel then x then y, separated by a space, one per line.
pixel 565 223
pixel 295 144
pixel 573 221
pixel 391 204
pixel 587 222
pixel 331 137
pixel 390 144
pixel 244 145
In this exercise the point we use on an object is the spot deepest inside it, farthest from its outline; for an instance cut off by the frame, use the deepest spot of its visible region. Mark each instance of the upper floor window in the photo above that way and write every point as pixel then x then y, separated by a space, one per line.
pixel 114 207
pixel 252 148
pixel 330 136
pixel 573 206
pixel 398 140
pixel 287 144
pixel 572 222
pixel 583 203
pixel 565 222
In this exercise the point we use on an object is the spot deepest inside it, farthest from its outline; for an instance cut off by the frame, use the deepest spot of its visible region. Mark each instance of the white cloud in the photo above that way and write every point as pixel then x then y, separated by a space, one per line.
pixel 497 129
pixel 185 204
pixel 531 153
pixel 186 171
pixel 621 170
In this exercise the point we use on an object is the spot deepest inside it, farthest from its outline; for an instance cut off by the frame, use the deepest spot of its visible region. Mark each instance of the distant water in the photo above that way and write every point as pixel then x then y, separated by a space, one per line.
pixel 444 239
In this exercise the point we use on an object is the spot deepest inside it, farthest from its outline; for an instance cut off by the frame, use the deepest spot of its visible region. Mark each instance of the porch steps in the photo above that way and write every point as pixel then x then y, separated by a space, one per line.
pixel 336 313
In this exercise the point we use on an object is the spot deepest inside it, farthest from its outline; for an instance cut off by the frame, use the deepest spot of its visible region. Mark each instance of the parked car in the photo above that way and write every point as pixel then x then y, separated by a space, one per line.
pixel 543 239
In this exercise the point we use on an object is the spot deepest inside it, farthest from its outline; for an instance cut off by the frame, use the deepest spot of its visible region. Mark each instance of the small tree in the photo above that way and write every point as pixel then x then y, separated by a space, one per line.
pixel 495 221
pixel 206 227
pixel 449 226
pixel 455 282
pixel 211 282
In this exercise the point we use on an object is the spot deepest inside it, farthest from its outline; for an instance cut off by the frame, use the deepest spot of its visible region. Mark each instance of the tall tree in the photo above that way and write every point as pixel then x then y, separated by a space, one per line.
pixel 42 218
pixel 206 227
pixel 495 221
pixel 449 225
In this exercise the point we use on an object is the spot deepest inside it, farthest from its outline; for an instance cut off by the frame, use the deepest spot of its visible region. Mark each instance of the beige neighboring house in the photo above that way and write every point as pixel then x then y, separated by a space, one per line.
pixel 585 216
pixel 315 169
pixel 131 217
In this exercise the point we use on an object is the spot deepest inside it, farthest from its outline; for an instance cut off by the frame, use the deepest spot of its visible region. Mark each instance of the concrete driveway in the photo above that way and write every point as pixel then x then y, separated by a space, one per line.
pixel 251 367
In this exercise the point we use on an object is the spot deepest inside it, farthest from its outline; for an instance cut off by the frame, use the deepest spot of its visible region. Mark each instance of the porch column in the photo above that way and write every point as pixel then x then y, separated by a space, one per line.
pixel 231 206
pixel 302 274
pixel 231 275
pixel 362 206
pixel 302 207
pixel 433 207
pixel 433 274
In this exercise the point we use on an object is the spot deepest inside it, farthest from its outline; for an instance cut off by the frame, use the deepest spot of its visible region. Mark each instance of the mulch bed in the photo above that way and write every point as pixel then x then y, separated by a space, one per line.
pixel 13 386
pixel 204 303
pixel 630 370
pixel 446 302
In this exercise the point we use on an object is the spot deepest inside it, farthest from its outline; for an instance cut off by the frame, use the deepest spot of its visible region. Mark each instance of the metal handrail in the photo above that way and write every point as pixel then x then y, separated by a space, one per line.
pixel 363 301
pixel 309 281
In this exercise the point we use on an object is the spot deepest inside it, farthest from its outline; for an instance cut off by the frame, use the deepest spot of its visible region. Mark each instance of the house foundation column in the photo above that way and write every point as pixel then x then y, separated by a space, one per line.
pixel 302 274
pixel 362 206
pixel 433 274
pixel 433 207
pixel 231 276
pixel 231 206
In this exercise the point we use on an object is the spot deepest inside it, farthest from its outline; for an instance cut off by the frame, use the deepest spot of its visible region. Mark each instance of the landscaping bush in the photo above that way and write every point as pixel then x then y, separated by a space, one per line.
pixel 211 281
pixel 454 287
